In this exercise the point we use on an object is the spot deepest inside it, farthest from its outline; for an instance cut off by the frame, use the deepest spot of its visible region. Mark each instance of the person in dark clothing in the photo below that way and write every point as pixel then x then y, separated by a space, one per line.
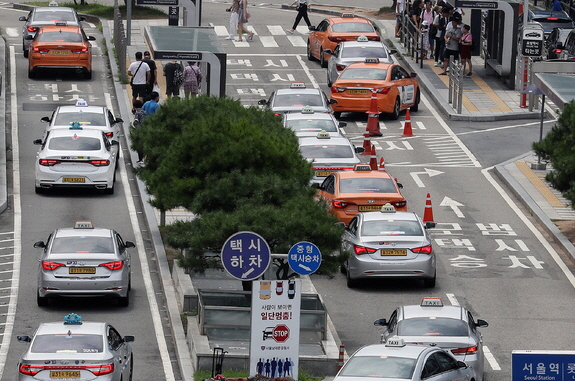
pixel 153 74
pixel 441 21
pixel 169 70
pixel 301 8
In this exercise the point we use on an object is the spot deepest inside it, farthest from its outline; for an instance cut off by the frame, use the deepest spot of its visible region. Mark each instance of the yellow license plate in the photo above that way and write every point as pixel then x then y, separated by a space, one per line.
pixel 60 52
pixel 64 374
pixel 74 180
pixel 82 270
pixel 369 208
pixel 356 92
pixel 392 252
pixel 322 173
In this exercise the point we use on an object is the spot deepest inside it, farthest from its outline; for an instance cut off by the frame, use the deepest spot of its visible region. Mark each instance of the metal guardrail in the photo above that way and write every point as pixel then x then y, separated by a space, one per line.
pixel 411 39
pixel 455 84
pixel 120 44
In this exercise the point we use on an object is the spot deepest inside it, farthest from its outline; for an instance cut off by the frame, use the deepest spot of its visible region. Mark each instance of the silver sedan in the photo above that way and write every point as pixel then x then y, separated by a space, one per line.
pixel 84 261
pixel 452 328
pixel 396 360
pixel 283 101
pixel 348 52
pixel 310 123
pixel 388 244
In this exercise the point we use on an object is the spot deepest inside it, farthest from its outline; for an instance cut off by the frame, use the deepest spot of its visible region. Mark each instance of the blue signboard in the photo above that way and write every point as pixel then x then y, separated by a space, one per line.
pixel 304 258
pixel 246 255
pixel 543 365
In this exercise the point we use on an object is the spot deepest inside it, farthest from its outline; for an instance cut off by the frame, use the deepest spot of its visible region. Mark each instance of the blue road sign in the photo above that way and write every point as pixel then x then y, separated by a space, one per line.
pixel 304 258
pixel 246 255
pixel 543 365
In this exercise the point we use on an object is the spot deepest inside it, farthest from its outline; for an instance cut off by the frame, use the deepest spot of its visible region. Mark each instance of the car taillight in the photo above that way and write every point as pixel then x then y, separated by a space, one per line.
pixel 463 351
pixel 340 67
pixel 97 370
pixel 109 135
pixel 558 51
pixel 117 265
pixel 48 162
pixel 40 50
pixel 50 266
pixel 552 19
pixel 383 90
pixel 341 204
pixel 100 370
pixel 32 29
pixel 423 250
pixel 337 89
pixel 78 51
pixel 359 250
pixel 100 163
pixel 399 204
pixel 336 39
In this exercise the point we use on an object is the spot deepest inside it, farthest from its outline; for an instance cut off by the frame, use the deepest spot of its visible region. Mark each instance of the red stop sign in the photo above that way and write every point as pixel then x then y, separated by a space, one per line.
pixel 281 333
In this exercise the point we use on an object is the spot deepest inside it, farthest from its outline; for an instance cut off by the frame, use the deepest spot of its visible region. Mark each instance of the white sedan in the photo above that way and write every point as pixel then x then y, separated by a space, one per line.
pixel 76 158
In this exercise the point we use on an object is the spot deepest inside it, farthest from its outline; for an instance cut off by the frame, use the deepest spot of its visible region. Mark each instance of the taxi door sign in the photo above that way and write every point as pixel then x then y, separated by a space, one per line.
pixel 532 41
pixel 542 365
pixel 246 255
pixel 407 94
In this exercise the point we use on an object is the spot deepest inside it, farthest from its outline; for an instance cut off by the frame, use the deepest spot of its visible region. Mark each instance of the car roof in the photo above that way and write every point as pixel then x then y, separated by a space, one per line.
pixel 334 140
pixel 90 109
pixel 399 216
pixel 88 132
pixel 362 174
pixel 298 91
pixel 408 351
pixel 54 9
pixel 67 28
pixel 414 311
pixel 61 328
pixel 355 18
pixel 362 43
pixel 381 65
pixel 314 116
pixel 558 14
pixel 71 232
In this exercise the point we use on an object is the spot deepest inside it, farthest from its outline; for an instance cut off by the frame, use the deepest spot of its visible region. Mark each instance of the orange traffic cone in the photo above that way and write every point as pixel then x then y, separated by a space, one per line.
pixel 382 164
pixel 407 127
pixel 373 161
pixel 373 116
pixel 428 212
pixel 366 144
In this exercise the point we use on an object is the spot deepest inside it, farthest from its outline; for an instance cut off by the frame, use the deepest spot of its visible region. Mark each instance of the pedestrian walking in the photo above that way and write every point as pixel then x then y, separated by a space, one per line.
pixel 452 36
pixel 301 9
pixel 440 22
pixel 139 116
pixel 428 14
pixel 151 106
pixel 399 11
pixel 140 73
pixel 243 16
pixel 174 78
pixel 234 8
pixel 465 48
pixel 425 47
pixel 192 79
pixel 153 74
pixel 557 6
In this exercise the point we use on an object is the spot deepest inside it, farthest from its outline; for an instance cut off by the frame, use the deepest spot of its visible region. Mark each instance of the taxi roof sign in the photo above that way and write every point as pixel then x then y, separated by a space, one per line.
pixel 347 15
pixel 297 85
pixel 431 302
pixel 83 225
pixel 307 110
pixel 387 208
pixel 362 38
pixel 81 103
pixel 372 60
pixel 73 319
pixel 323 135
pixel 395 342
pixel 53 3
pixel 362 167
pixel 76 126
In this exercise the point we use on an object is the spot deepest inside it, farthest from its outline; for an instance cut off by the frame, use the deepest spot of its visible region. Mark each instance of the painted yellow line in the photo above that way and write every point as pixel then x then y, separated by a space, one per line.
pixel 539 185
pixel 491 94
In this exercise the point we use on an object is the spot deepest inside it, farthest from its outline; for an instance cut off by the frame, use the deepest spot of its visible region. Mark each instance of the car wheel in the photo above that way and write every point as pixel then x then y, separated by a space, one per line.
pixel 31 74
pixel 337 114
pixel 41 301
pixel 26 53
pixel 110 190
pixel 329 83
pixel 351 283
pixel 430 283
pixel 39 190
pixel 88 74
pixel 309 54
pixel 131 367
pixel 395 114
pixel 130 283
pixel 124 301
pixel 322 60
pixel 415 107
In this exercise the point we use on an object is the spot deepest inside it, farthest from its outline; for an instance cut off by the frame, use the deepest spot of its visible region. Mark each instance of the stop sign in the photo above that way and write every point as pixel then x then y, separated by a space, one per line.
pixel 281 333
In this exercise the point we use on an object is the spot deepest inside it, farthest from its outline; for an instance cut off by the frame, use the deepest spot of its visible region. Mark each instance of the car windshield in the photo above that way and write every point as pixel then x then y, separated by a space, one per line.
pixel 367 185
pixel 391 228
pixel 363 51
pixel 426 326
pixel 84 245
pixel 67 343
pixel 54 16
pixel 326 151
pixel 60 36
pixel 352 27
pixel 312 125
pixel 364 73
pixel 74 143
pixel 297 100
pixel 84 118
pixel 379 367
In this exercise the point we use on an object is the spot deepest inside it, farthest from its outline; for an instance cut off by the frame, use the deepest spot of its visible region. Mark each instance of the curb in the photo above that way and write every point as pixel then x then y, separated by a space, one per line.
pixel 4 159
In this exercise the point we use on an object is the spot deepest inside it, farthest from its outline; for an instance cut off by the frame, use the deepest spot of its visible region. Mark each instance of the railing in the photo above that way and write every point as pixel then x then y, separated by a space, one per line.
pixel 412 39
pixel 455 84
pixel 120 44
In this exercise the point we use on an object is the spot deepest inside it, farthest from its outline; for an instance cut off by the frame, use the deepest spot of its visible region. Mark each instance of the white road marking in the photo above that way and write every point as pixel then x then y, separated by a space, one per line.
pixel 452 299
pixel 221 30
pixel 297 41
pixel 490 358
pixel 307 72
pixel 268 42
pixel 276 30
pixel 420 125
pixel 12 32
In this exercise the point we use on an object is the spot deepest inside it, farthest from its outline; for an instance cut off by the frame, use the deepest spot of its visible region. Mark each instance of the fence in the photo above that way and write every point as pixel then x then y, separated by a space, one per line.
pixel 120 44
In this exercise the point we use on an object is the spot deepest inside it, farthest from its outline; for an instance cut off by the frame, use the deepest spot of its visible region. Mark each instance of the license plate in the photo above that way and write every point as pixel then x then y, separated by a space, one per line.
pixel 74 180
pixel 369 208
pixel 60 52
pixel 393 252
pixel 322 173
pixel 356 92
pixel 82 270
pixel 64 374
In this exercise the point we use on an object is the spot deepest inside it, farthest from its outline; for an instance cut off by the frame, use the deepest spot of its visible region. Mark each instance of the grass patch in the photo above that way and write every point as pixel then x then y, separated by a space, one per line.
pixel 201 375
pixel 107 12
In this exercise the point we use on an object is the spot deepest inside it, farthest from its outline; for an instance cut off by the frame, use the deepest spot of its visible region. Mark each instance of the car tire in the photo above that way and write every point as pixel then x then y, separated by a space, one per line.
pixel 396 109
pixel 88 74
pixel 39 190
pixel 26 53
pixel 430 283
pixel 41 301
pixel 124 301
pixel 310 56
pixel 351 283
pixel 130 283
pixel 329 83
pixel 110 190
pixel 322 61
pixel 31 74
pixel 415 107
pixel 131 367
pixel 337 114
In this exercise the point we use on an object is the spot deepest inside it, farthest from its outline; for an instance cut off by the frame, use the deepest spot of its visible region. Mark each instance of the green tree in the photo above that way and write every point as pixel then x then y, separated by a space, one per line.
pixel 238 169
pixel 558 147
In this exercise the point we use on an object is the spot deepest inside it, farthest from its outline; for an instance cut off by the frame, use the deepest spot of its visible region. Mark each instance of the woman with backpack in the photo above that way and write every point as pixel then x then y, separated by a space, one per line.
pixel 192 79
pixel 465 48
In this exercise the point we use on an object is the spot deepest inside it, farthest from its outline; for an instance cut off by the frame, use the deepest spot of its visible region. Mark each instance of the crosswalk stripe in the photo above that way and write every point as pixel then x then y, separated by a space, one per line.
pixel 268 41
pixel 221 30
pixel 276 30
pixel 302 29
pixel 296 41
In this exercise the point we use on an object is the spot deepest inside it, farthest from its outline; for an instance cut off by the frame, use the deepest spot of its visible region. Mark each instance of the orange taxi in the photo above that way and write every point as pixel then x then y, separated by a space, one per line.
pixel 331 31
pixel 361 190
pixel 396 89
pixel 60 46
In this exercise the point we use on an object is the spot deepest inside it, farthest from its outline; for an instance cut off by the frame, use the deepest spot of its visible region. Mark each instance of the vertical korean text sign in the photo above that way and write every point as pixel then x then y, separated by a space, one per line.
pixel 274 344
pixel 543 365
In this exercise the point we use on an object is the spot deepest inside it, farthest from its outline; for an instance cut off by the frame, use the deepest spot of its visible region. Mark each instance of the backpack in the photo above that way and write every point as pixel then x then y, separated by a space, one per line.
pixel 178 77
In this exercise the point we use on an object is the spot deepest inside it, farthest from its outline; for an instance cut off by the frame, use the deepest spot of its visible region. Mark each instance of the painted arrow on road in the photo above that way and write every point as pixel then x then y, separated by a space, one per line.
pixel 429 172
pixel 453 205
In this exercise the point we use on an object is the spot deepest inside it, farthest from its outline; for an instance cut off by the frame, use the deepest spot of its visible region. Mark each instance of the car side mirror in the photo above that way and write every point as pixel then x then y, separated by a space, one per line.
pixel 311 28
pixel 129 244
pixel 343 124
pixel 392 51
pixel 129 339
pixel 558 45
pixel 380 322
pixel 22 18
pixel 38 142
pixel 39 244
pixel 359 149
pixel 413 75
pixel 429 225
pixel 262 102
pixel 328 51
pixel 482 323
pixel 340 224
pixel 461 364
pixel 45 119
pixel 119 120
pixel 91 38
pixel 115 142
pixel 399 185
pixel 333 101
pixel 30 38
pixel 24 338
pixel 81 18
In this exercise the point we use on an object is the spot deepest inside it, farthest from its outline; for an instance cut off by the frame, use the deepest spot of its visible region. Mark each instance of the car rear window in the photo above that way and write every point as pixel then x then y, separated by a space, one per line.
pixel 363 51
pixel 379 367
pixel 364 73
pixel 367 185
pixel 312 125
pixel 432 327
pixel 84 118
pixel 54 16
pixel 297 100
pixel 60 36
pixel 352 27
pixel 326 152
pixel 391 228
pixel 74 143
pixel 67 343
pixel 84 245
